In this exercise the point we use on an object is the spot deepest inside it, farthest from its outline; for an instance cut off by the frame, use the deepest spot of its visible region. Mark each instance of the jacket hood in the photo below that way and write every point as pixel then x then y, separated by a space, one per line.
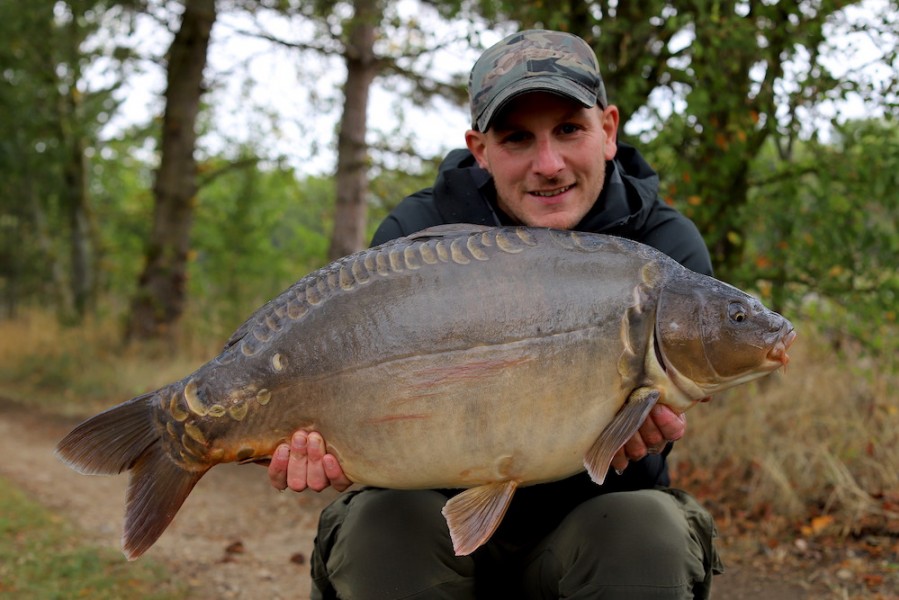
pixel 464 192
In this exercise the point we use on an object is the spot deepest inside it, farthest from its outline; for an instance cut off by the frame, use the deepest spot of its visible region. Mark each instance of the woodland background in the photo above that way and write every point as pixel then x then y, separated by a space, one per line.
pixel 132 244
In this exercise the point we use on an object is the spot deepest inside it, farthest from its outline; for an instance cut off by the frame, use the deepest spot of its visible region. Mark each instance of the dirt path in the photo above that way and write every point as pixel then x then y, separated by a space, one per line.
pixel 232 504
pixel 232 507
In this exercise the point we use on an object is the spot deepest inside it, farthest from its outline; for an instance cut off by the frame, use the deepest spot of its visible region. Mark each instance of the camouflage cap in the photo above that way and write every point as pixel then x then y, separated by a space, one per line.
pixel 533 60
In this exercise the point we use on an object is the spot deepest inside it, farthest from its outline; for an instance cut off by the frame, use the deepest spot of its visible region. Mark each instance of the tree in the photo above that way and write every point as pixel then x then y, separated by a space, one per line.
pixel 73 133
pixel 374 42
pixel 738 61
pixel 159 301
pixel 46 205
pixel 352 152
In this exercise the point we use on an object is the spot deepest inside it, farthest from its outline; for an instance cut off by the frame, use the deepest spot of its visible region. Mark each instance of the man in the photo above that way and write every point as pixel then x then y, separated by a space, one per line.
pixel 543 152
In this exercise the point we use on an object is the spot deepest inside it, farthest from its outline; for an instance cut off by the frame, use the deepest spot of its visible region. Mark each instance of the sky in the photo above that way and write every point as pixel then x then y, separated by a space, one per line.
pixel 287 102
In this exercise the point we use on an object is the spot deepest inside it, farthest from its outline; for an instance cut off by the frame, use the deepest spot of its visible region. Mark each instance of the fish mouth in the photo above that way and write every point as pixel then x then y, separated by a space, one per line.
pixel 778 354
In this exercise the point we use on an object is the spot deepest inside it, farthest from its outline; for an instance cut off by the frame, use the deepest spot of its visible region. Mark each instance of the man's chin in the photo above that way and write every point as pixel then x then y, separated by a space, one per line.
pixel 553 221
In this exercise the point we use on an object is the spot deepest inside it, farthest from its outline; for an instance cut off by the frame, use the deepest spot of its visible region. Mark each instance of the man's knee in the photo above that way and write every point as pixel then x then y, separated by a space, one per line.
pixel 388 543
pixel 396 517
pixel 634 521
pixel 631 542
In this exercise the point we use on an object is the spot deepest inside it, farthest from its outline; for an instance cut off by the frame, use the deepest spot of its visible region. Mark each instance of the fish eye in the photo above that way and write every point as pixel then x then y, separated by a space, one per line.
pixel 737 312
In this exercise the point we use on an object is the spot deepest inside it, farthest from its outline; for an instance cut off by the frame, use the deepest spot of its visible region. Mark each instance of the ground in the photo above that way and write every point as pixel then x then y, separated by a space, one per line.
pixel 236 537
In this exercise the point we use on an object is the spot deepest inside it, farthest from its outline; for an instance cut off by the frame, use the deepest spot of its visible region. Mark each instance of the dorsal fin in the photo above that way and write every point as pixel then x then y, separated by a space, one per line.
pixel 447 230
pixel 248 325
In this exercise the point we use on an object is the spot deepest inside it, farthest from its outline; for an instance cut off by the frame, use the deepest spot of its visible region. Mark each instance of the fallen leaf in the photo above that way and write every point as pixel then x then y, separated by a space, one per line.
pixel 817 525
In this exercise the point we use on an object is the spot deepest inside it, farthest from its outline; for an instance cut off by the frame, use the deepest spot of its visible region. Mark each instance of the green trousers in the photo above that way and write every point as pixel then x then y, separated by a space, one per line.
pixel 377 544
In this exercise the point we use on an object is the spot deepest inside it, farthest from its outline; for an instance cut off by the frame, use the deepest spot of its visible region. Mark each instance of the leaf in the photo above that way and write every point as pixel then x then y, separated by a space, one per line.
pixel 817 525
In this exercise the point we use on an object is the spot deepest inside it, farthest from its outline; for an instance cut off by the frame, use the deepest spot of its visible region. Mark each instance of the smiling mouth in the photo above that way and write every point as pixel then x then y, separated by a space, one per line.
pixel 551 193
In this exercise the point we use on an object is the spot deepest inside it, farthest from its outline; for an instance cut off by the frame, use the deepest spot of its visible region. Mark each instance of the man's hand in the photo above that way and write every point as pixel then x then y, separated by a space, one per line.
pixel 662 425
pixel 305 463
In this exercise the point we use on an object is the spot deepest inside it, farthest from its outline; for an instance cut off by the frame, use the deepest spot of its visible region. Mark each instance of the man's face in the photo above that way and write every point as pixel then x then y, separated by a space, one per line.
pixel 547 155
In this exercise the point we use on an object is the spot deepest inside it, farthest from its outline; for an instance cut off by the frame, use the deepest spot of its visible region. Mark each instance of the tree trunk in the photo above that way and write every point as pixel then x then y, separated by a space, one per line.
pixel 74 193
pixel 352 152
pixel 58 287
pixel 77 202
pixel 159 302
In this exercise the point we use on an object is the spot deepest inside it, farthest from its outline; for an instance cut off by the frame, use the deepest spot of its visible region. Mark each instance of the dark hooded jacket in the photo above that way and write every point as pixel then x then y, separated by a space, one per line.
pixel 629 206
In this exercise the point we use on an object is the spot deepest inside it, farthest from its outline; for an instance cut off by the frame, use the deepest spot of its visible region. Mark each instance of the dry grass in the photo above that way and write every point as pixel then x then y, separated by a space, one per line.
pixel 79 370
pixel 822 439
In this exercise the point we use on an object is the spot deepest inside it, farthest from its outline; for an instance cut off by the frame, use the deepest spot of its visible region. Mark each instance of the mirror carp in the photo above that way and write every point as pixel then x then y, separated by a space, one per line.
pixel 458 357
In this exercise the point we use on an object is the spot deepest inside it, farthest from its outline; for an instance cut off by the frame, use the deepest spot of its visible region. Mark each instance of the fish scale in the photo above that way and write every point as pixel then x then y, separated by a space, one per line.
pixel 458 357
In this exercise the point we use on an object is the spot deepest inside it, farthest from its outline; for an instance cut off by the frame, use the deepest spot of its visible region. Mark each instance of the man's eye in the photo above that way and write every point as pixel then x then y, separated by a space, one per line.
pixel 568 128
pixel 516 137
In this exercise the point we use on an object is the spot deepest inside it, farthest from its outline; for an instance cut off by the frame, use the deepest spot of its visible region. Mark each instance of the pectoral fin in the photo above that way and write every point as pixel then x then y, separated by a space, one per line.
pixel 625 424
pixel 474 514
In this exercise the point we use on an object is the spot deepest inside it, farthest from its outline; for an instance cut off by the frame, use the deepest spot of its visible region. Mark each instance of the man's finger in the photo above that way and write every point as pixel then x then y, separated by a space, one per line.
pixel 297 464
pixel 635 448
pixel 334 473
pixel 277 467
pixel 672 425
pixel 315 471
pixel 619 462
pixel 651 435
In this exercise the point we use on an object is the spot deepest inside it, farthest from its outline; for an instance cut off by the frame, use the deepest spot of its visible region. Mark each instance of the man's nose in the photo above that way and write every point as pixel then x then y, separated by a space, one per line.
pixel 548 161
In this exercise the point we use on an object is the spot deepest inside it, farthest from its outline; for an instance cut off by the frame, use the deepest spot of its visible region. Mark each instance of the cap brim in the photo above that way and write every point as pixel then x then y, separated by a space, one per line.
pixel 541 83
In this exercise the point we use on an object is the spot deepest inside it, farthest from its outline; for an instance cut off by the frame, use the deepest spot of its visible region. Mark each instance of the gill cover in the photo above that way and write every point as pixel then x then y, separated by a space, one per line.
pixel 711 335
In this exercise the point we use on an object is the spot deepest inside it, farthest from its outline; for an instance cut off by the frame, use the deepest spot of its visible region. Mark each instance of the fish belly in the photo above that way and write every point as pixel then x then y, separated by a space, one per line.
pixel 524 411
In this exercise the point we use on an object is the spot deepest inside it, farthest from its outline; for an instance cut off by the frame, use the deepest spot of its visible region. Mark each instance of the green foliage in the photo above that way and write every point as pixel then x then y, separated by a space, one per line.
pixel 52 124
pixel 732 76
pixel 42 557
pixel 823 234
pixel 390 186
pixel 121 193
pixel 29 152
pixel 257 231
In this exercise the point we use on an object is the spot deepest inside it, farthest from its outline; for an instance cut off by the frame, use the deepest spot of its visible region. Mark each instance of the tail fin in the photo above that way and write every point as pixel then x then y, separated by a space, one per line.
pixel 157 489
pixel 125 437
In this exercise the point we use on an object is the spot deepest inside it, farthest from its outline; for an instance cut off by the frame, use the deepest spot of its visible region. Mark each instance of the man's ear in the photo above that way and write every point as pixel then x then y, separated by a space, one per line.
pixel 477 145
pixel 610 118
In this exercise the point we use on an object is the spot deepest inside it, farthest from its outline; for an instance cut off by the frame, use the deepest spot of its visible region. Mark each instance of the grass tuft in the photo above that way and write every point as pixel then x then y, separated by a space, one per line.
pixel 42 557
